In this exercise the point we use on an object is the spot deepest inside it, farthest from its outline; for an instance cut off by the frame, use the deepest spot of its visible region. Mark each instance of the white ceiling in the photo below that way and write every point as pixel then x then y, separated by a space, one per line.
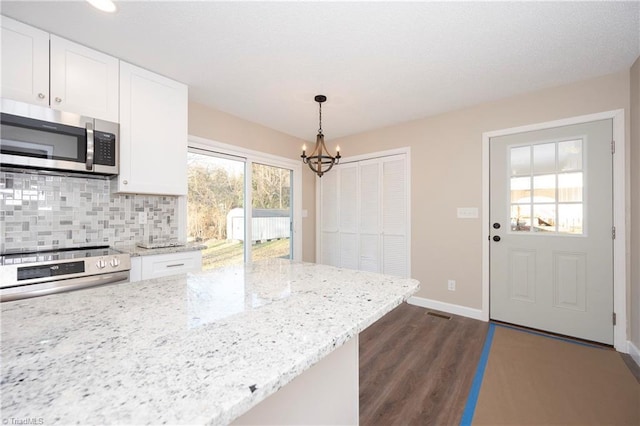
pixel 379 63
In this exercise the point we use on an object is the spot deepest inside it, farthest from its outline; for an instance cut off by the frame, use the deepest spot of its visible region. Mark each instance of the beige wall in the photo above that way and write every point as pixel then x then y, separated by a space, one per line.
pixel 446 156
pixel 446 173
pixel 214 125
pixel 634 259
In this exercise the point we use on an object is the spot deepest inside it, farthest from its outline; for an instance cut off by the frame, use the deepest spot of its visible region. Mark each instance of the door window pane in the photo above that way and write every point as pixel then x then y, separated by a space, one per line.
pixel 215 208
pixel 544 158
pixel 521 189
pixel 272 214
pixel 570 155
pixel 544 218
pixel 544 189
pixel 570 187
pixel 521 217
pixel 570 218
pixel 520 160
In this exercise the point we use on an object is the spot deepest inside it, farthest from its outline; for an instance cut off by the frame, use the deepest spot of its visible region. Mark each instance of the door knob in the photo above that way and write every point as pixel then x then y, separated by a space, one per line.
pixel 496 238
pixel 496 225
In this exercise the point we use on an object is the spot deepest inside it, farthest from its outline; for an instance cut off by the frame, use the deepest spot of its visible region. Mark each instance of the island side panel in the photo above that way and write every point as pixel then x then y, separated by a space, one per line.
pixel 327 394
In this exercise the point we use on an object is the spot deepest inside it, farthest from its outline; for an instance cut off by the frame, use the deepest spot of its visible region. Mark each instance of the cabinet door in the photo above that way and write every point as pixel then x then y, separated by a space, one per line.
pixel 395 260
pixel 329 252
pixel 153 133
pixel 348 216
pixel 25 63
pixel 83 81
pixel 369 196
pixel 135 274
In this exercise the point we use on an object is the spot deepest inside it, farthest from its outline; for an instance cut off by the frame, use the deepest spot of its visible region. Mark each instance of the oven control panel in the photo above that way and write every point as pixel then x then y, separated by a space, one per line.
pixel 20 271
pixel 43 271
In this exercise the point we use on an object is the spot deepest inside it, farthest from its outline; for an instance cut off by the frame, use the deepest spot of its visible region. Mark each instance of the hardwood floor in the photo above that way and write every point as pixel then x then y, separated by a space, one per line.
pixel 417 368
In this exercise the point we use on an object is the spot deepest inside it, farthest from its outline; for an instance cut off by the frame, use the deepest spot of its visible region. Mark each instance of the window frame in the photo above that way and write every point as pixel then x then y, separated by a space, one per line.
pixel 532 174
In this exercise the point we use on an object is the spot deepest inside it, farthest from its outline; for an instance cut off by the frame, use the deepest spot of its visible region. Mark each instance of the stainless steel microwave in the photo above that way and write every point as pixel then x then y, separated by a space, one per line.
pixel 36 137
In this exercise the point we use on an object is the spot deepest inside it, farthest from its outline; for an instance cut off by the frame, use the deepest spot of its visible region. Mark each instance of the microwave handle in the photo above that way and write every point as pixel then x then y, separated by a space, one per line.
pixel 90 146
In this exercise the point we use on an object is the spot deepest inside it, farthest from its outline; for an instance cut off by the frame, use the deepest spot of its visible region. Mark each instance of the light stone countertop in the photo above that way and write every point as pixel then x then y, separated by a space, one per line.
pixel 134 250
pixel 186 349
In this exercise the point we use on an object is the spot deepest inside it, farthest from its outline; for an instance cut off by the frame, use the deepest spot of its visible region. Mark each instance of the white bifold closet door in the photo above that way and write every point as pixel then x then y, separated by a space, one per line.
pixel 364 219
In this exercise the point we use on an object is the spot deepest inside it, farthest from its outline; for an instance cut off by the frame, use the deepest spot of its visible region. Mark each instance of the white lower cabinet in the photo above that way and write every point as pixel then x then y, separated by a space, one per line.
pixel 135 274
pixel 164 265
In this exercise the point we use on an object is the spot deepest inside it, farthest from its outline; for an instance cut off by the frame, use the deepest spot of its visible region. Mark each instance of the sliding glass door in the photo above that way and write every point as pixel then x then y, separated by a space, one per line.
pixel 215 208
pixel 222 186
pixel 271 224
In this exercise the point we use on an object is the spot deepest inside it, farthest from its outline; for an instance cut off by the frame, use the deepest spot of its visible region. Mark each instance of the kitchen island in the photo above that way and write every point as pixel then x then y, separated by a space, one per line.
pixel 198 348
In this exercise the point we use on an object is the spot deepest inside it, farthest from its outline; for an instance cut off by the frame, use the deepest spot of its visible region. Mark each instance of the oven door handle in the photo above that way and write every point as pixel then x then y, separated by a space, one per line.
pixel 90 146
pixel 34 290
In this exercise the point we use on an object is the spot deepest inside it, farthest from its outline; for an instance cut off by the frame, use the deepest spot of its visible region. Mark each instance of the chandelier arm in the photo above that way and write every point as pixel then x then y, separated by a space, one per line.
pixel 317 150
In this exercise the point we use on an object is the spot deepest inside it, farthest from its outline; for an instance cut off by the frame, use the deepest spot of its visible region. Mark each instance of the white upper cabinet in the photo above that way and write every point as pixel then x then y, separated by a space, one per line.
pixel 41 68
pixel 153 133
pixel 83 81
pixel 25 63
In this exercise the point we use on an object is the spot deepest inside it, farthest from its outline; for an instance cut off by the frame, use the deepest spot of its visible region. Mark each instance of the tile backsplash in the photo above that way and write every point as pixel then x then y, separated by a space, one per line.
pixel 44 211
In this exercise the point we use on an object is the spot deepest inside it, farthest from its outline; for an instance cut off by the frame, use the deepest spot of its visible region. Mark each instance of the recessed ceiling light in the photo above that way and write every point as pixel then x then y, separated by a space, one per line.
pixel 103 5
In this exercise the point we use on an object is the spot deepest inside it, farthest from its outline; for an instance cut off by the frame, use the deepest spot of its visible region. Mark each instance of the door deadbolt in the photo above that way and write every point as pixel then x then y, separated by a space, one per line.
pixel 496 225
pixel 496 238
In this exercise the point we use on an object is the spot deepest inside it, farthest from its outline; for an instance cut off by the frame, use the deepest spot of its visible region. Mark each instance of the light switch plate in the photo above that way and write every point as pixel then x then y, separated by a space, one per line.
pixel 467 212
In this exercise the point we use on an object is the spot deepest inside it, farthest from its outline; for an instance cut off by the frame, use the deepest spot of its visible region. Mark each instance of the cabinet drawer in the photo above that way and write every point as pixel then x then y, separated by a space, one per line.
pixel 135 274
pixel 163 265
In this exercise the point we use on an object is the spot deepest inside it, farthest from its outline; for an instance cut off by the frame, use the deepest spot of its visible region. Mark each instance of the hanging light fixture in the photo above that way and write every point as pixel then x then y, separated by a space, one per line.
pixel 320 161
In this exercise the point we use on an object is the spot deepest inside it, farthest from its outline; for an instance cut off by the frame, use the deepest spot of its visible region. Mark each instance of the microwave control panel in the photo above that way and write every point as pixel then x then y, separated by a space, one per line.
pixel 105 148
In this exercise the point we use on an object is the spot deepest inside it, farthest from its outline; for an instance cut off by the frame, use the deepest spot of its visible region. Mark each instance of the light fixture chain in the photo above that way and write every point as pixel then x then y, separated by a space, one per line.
pixel 320 116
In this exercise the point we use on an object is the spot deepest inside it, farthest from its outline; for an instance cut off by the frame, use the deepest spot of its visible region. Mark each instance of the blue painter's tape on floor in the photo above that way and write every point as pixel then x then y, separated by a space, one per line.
pixel 470 407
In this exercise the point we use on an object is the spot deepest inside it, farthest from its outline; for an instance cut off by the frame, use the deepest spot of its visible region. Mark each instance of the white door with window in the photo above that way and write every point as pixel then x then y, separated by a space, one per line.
pixel 551 248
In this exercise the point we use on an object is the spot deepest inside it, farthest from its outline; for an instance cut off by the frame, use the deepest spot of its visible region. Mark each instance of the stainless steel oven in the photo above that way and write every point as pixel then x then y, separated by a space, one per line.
pixel 37 137
pixel 31 274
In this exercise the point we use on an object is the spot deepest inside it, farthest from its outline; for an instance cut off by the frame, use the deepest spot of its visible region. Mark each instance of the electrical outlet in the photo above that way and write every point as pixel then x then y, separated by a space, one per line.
pixel 142 218
pixel 451 285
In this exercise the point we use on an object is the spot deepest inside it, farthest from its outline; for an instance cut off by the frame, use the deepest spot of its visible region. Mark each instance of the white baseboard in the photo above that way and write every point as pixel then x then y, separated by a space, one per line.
pixel 449 308
pixel 634 352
